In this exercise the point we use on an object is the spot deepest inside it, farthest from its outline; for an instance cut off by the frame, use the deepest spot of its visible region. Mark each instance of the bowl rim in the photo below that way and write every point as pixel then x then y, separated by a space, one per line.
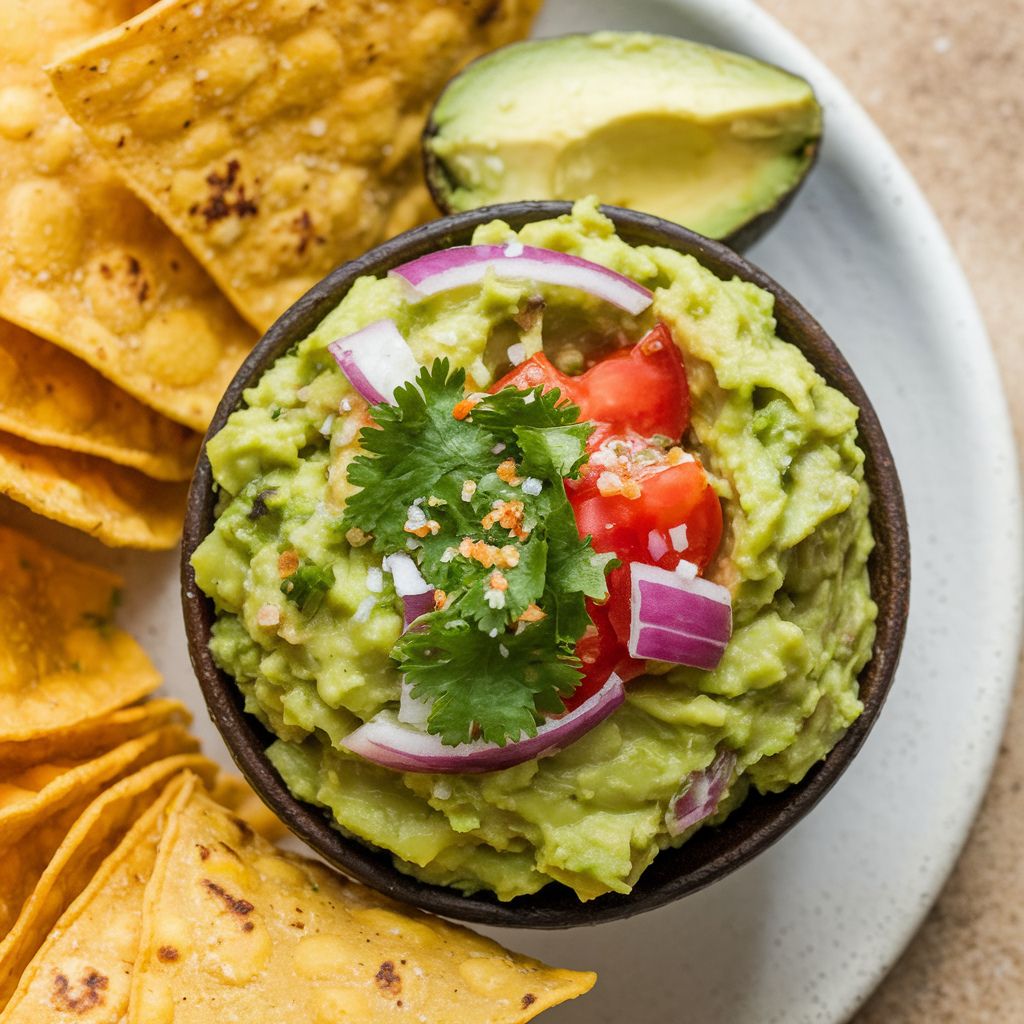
pixel 712 853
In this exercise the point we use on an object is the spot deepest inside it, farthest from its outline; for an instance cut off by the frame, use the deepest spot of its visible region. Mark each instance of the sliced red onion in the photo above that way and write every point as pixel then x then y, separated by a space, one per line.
pixel 376 361
pixel 675 619
pixel 700 794
pixel 467 264
pixel 656 644
pixel 416 593
pixel 386 741
pixel 411 710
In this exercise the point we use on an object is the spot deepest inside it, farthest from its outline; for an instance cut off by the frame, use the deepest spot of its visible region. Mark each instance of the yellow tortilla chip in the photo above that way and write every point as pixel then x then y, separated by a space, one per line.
pixel 45 789
pixel 228 921
pixel 47 870
pixel 50 397
pixel 83 968
pixel 234 793
pixel 83 263
pixel 92 737
pixel 277 138
pixel 114 504
pixel 62 661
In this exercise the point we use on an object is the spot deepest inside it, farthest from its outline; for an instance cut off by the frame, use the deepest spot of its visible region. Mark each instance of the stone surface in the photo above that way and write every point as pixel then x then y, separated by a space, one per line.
pixel 945 81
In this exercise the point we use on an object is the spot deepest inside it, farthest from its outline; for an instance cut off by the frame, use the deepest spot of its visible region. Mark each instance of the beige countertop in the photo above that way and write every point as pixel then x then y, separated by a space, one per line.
pixel 945 81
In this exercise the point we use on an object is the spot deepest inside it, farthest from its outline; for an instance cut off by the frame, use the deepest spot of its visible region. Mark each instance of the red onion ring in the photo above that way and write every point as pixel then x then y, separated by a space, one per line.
pixel 467 264
pixel 386 741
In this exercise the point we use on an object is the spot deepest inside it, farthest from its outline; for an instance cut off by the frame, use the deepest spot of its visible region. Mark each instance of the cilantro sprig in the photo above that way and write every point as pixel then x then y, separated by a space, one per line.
pixel 481 505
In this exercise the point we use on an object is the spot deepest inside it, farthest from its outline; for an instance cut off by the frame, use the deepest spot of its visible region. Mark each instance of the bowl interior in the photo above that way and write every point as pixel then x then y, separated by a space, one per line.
pixel 712 852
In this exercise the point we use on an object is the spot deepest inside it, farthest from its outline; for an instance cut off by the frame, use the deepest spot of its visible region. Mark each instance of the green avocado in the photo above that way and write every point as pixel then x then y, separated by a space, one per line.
pixel 715 141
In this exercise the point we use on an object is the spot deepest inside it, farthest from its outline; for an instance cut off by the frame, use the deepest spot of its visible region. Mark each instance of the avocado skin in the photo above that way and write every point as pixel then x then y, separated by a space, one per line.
pixel 440 183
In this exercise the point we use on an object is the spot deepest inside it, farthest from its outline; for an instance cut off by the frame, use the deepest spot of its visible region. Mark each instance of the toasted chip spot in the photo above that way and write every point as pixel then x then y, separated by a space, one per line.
pixel 233 64
pixel 44 226
pixel 21 111
pixel 167 107
pixel 489 974
pixel 318 956
pixel 339 1005
pixel 528 1000
pixel 121 289
pixel 167 954
pixel 388 980
pixel 234 904
pixel 79 996
pixel 170 334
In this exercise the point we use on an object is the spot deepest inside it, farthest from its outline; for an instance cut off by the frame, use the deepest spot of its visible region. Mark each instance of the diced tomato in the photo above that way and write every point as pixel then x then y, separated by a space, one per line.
pixel 535 371
pixel 601 653
pixel 642 388
pixel 631 396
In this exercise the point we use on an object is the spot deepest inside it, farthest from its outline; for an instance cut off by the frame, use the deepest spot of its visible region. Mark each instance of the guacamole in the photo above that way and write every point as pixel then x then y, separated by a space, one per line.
pixel 781 449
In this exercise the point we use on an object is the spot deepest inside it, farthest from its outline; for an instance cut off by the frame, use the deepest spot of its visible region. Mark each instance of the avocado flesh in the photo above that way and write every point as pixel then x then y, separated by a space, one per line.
pixel 699 136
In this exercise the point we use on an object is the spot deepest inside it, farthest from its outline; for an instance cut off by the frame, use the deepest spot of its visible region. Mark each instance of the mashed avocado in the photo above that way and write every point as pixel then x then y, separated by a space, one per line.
pixel 782 447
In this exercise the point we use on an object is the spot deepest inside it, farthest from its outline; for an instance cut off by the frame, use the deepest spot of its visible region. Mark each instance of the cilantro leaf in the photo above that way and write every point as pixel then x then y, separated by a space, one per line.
pixel 415 444
pixel 307 585
pixel 476 689
pixel 525 586
pixel 511 408
pixel 551 452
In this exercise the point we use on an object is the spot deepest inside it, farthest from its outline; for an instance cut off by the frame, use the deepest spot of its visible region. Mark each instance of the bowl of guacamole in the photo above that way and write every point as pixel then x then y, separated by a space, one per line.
pixel 544 565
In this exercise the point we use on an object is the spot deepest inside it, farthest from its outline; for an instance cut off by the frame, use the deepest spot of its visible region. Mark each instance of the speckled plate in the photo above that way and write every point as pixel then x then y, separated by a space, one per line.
pixel 802 934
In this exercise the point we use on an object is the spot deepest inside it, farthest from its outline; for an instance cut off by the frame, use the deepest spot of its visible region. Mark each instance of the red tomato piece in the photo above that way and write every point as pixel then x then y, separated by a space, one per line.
pixel 642 388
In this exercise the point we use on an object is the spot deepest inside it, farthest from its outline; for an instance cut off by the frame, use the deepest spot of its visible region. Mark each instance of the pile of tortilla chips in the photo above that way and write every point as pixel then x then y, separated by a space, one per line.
pixel 133 882
pixel 173 175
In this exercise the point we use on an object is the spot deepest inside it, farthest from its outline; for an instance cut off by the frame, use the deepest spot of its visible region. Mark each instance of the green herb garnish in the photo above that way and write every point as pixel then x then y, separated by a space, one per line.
pixel 307 585
pixel 480 504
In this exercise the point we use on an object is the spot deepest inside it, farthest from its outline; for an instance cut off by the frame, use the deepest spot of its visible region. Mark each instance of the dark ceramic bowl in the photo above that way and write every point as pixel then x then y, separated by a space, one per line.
pixel 713 852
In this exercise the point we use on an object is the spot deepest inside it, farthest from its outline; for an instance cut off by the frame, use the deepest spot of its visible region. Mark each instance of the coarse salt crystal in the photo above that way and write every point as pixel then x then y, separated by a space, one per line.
pixel 374 580
pixel 532 486
pixel 325 427
pixel 498 448
pixel 268 615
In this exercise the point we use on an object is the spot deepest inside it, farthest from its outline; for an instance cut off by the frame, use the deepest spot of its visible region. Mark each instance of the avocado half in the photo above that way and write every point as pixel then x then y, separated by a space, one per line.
pixel 712 140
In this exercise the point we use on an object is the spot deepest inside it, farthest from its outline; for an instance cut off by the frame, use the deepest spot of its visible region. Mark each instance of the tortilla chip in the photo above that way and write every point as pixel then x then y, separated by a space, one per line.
pixel 47 870
pixel 228 921
pixel 62 661
pixel 50 397
pixel 83 263
pixel 277 138
pixel 116 505
pixel 234 793
pixel 83 969
pixel 92 737
pixel 45 789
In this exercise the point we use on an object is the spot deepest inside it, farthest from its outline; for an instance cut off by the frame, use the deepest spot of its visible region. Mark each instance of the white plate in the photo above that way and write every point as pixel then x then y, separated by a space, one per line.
pixel 805 932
